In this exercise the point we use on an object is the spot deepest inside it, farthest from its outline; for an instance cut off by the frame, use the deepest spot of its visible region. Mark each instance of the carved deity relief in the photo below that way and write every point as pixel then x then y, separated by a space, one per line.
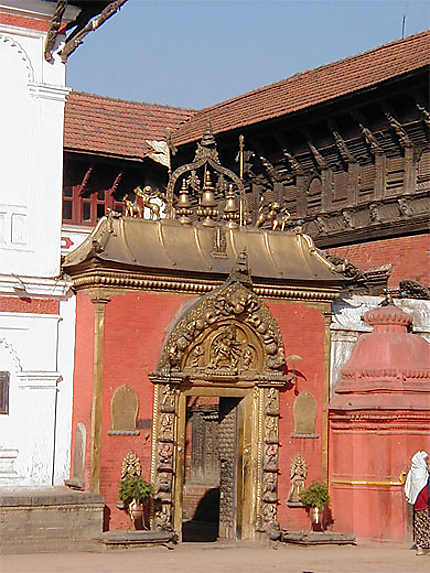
pixel 298 473
pixel 270 463
pixel 272 402
pixel 271 430
pixel 168 397
pixel 165 457
pixel 166 433
pixel 130 466
pixel 270 484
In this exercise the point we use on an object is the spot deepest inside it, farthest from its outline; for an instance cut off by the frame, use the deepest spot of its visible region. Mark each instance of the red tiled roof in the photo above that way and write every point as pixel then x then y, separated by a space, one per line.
pixel 311 87
pixel 96 124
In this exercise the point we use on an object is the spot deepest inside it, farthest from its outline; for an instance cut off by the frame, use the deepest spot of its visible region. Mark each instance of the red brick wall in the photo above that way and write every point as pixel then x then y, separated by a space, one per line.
pixel 303 334
pixel 36 306
pixel 24 22
pixel 410 257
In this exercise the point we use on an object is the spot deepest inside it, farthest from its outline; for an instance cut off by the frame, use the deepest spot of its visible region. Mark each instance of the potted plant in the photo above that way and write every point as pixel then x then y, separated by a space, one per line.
pixel 135 493
pixel 316 498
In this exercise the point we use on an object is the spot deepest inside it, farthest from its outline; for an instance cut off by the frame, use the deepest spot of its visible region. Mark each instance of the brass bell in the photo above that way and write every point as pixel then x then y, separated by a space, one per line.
pixel 208 196
pixel 230 204
pixel 184 199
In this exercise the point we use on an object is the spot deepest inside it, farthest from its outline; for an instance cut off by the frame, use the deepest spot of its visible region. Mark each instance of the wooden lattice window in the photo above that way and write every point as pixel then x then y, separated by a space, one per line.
pixel 81 209
pixel 4 392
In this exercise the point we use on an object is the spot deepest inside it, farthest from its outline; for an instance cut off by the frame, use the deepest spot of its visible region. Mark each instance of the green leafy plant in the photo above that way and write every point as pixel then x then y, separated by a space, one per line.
pixel 316 495
pixel 135 488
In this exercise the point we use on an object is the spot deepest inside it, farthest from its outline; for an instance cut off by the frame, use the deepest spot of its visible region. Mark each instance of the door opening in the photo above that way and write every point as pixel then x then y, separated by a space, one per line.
pixel 212 488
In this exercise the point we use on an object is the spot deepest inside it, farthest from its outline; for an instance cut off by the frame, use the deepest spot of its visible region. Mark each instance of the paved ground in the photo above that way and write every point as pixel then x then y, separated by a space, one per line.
pixel 216 558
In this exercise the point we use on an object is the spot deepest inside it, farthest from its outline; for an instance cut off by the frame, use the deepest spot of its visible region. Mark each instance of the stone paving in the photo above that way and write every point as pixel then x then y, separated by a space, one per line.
pixel 217 558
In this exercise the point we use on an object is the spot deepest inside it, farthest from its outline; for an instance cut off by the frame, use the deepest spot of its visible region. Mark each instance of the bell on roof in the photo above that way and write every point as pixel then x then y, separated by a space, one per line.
pixel 208 205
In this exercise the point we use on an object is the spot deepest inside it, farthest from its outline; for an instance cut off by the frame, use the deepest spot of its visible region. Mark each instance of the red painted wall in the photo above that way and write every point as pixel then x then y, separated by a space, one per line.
pixel 410 257
pixel 83 375
pixel 135 326
pixel 374 452
pixel 302 329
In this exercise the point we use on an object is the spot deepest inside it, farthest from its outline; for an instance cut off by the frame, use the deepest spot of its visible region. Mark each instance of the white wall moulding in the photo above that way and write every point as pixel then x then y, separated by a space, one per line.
pixel 43 91
pixel 39 380
pixel 8 472
pixel 15 285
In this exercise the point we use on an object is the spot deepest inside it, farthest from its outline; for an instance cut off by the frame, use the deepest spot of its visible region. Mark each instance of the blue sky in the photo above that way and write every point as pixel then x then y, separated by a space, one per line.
pixel 191 53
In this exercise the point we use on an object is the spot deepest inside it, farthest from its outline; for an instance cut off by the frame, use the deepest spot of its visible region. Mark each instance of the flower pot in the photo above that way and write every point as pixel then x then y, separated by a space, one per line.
pixel 139 515
pixel 316 516
pixel 136 515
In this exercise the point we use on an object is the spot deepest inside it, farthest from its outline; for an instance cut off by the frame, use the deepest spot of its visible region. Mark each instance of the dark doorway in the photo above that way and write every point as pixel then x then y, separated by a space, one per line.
pixel 210 475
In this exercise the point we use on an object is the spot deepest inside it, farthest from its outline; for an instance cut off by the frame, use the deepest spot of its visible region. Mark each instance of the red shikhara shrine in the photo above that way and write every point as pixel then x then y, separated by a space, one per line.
pixel 380 409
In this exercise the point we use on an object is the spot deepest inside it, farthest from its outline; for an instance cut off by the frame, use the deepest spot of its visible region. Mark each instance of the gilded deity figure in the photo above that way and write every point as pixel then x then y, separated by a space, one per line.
pixel 298 474
pixel 226 349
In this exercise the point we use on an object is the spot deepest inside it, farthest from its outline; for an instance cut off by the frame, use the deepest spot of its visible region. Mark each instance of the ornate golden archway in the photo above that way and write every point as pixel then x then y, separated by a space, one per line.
pixel 226 344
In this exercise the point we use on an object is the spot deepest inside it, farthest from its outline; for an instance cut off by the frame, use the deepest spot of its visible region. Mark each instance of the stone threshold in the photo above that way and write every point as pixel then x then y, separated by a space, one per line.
pixel 317 538
pixel 125 539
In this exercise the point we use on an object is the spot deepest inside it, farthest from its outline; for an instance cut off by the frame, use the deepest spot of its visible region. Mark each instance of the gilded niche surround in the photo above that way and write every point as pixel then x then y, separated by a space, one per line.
pixel 226 344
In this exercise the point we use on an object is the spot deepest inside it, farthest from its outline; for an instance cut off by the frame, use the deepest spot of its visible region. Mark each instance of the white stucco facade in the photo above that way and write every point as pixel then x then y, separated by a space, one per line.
pixel 36 349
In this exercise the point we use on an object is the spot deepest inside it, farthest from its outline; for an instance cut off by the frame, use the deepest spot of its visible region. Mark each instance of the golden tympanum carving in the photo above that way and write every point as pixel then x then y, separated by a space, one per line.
pixel 229 331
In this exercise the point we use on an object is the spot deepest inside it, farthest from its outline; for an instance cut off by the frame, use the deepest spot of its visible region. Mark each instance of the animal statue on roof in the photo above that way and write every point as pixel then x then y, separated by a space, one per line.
pixel 132 209
pixel 272 216
pixel 149 200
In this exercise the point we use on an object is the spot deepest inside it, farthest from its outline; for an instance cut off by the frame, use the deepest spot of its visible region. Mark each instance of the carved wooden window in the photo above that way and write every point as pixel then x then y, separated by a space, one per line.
pixel 290 198
pixel 314 194
pixel 367 182
pixel 4 392
pixel 423 172
pixel 81 209
pixel 340 186
pixel 395 174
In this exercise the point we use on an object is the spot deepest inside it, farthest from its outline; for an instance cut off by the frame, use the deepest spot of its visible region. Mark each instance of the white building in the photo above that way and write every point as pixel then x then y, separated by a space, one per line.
pixel 37 312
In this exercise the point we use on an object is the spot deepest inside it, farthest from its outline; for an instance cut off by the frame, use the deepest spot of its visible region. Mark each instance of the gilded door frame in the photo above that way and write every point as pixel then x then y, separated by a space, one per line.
pixel 258 453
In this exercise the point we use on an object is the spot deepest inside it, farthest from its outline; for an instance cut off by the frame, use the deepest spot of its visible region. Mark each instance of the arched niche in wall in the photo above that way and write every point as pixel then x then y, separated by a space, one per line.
pixel 304 415
pixel 124 407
